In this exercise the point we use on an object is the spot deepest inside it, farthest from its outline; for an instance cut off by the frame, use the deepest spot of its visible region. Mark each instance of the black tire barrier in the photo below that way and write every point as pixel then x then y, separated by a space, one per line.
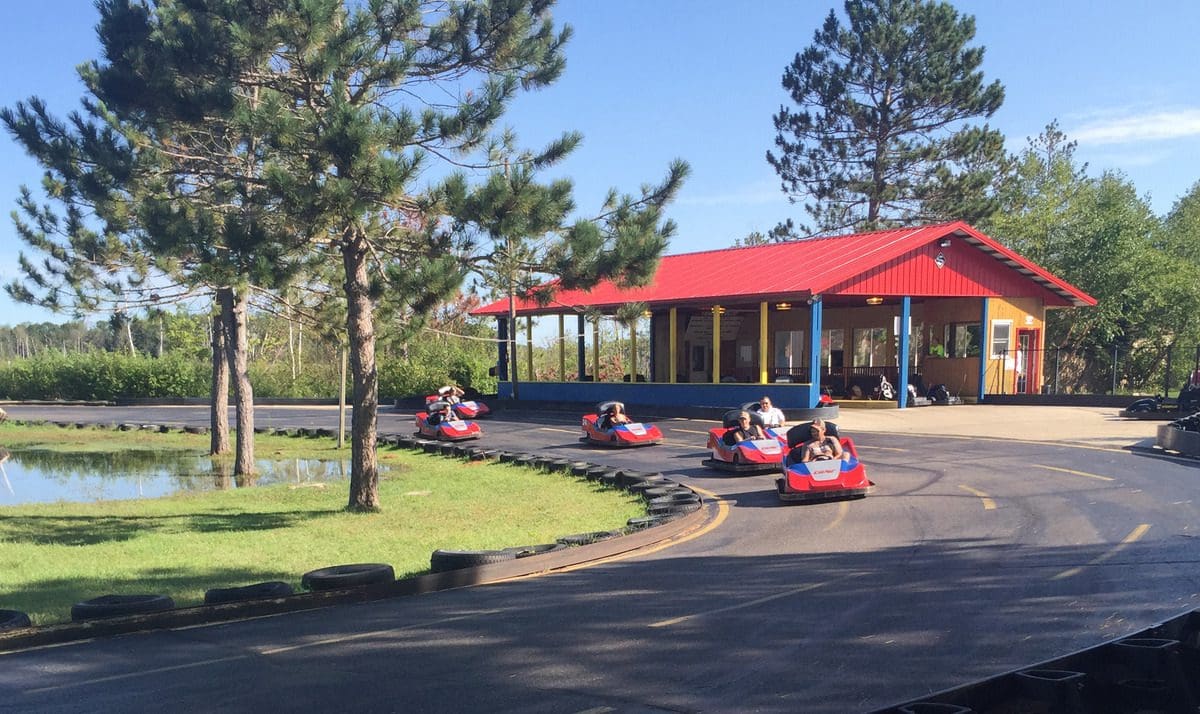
pixel 674 509
pixel 445 560
pixel 12 619
pixel 525 551
pixel 609 478
pixel 595 472
pixel 627 477
pixel 257 591
pixel 127 427
pixel 106 606
pixel 561 466
pixel 262 430
pixel 477 455
pixel 643 522
pixel 661 491
pixel 639 489
pixel 431 447
pixel 526 460
pixel 1055 690
pixel 507 457
pixel 576 539
pixel 580 468
pixel 190 429
pixel 447 449
pixel 347 576
pixel 677 497
pixel 934 708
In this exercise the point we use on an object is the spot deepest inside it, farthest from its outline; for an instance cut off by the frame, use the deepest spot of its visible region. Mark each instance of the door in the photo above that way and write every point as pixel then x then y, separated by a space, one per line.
pixel 699 362
pixel 1027 363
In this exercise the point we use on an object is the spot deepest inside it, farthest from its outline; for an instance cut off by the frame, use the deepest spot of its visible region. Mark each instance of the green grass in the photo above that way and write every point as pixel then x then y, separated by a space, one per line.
pixel 53 555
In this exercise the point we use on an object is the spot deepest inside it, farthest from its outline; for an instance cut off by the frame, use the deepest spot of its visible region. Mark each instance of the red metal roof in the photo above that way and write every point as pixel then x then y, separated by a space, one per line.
pixel 890 263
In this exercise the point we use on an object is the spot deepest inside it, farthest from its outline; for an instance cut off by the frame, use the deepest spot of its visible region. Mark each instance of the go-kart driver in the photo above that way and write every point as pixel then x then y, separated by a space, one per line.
pixel 446 414
pixel 743 431
pixel 613 416
pixel 819 447
pixel 771 415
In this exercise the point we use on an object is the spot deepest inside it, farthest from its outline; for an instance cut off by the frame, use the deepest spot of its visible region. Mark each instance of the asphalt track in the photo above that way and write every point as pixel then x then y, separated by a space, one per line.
pixel 974 556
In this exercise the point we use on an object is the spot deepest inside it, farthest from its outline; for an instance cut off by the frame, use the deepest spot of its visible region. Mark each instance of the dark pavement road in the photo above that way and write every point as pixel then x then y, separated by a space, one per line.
pixel 972 557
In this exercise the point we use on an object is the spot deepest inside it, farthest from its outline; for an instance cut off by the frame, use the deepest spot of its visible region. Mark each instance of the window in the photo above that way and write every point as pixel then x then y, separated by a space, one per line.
pixel 962 339
pixel 915 348
pixel 870 347
pixel 789 351
pixel 1001 334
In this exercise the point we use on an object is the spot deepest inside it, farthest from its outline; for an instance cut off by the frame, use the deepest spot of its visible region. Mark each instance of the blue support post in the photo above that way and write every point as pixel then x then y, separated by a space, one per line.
pixel 983 349
pixel 814 353
pixel 902 386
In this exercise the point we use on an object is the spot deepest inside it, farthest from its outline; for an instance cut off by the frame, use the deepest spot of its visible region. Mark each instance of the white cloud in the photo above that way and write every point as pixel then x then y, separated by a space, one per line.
pixel 1146 126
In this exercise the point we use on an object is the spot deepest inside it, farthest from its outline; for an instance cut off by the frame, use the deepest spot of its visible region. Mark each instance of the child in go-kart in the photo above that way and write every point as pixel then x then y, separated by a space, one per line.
pixel 446 414
pixel 819 447
pixel 451 394
pixel 613 416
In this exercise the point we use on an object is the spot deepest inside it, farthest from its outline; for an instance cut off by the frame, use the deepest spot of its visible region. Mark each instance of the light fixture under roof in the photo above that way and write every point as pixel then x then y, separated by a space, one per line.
pixel 718 309
pixel 783 306
pixel 874 301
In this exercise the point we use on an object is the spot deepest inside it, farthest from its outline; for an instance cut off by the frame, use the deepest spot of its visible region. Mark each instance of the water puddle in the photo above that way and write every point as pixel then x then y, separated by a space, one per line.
pixel 41 476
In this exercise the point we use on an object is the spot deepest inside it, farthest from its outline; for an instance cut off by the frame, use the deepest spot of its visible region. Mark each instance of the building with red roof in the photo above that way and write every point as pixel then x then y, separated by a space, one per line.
pixel 725 322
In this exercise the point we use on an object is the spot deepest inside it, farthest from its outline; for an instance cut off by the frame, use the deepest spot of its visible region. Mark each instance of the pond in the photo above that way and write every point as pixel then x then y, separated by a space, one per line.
pixel 42 476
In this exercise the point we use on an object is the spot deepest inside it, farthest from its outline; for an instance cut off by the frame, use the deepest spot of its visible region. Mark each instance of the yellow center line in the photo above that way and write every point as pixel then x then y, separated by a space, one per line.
pixel 989 504
pixel 1072 471
pixel 843 509
pixel 744 605
pixel 1134 536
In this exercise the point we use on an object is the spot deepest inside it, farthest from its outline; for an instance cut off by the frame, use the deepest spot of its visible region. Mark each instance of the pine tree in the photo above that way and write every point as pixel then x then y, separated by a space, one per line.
pixel 879 132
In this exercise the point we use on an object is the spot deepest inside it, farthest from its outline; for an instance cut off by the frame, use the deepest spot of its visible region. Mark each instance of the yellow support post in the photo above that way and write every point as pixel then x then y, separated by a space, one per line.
pixel 762 343
pixel 716 344
pixel 673 348
pixel 633 351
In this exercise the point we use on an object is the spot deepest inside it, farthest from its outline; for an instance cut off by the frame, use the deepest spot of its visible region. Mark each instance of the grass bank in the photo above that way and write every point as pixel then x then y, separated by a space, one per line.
pixel 53 555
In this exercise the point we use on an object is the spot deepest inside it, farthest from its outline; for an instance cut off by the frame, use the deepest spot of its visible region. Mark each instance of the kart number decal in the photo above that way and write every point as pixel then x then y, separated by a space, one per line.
pixel 824 470
pixel 767 446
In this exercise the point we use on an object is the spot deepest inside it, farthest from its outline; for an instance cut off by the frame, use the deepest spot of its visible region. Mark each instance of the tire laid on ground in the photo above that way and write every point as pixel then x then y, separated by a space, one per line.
pixel 587 538
pixel 272 589
pixel 609 478
pixel 641 486
pixel 430 447
pixel 444 560
pixel 675 509
pixel 348 576
pixel 665 491
pixel 580 468
pixel 447 449
pixel 12 619
pixel 641 522
pixel 105 606
pixel 524 551
pixel 676 497
pixel 507 457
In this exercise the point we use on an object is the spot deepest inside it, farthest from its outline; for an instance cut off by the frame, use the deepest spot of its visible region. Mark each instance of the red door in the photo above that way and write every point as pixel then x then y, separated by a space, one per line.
pixel 1027 367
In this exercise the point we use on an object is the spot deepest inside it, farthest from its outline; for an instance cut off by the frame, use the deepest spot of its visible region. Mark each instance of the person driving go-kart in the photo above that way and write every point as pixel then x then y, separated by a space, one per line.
pixel 614 415
pixel 450 393
pixel 818 447
pixel 745 429
pixel 445 414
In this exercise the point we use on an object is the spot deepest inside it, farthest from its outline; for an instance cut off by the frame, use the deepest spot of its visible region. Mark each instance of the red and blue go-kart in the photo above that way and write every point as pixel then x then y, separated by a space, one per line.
pixel 631 434
pixel 431 426
pixel 465 409
pixel 748 456
pixel 822 480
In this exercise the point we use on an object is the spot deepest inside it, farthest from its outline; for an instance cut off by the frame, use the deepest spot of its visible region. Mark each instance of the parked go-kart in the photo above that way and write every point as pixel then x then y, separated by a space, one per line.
pixel 822 480
pixel 1187 402
pixel 631 434
pixel 749 456
pixel 431 425
pixel 465 409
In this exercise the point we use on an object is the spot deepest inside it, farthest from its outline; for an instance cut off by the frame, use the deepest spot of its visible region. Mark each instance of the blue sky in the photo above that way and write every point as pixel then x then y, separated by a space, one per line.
pixel 651 80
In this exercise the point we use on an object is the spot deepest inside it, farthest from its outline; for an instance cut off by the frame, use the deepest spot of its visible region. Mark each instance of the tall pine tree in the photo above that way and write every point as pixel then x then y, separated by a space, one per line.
pixel 879 131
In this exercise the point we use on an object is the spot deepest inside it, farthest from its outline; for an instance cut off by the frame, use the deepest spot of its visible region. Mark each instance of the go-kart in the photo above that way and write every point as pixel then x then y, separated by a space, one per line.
pixel 749 456
pixel 620 435
pixel 465 409
pixel 822 480
pixel 431 426
pixel 1187 402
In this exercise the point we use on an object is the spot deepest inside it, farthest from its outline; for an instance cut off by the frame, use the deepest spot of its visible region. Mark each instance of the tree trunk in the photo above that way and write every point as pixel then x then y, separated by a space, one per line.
pixel 237 353
pixel 129 337
pixel 364 468
pixel 218 420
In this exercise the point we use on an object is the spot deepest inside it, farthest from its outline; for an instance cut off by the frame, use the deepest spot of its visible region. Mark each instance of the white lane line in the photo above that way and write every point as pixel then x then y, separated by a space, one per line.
pixel 1134 536
pixel 139 673
pixel 751 603
pixel 1073 471
pixel 989 504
